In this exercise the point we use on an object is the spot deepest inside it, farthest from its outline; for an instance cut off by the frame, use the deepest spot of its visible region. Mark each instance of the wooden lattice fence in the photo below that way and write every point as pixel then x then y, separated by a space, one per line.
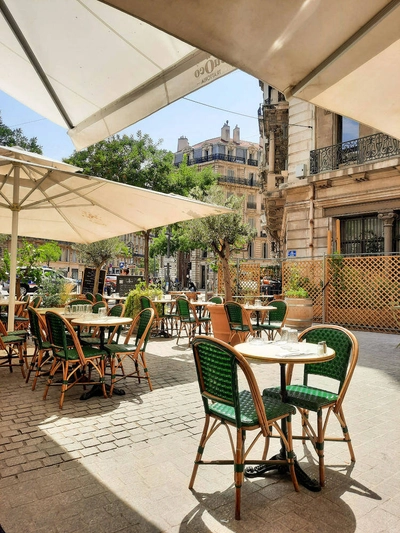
pixel 354 292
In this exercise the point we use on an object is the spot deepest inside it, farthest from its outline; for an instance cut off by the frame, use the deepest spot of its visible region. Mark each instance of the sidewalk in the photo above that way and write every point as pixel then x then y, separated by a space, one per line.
pixel 123 464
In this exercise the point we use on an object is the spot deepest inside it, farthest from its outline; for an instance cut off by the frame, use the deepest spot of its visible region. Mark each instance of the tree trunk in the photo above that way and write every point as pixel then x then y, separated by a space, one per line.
pixel 226 275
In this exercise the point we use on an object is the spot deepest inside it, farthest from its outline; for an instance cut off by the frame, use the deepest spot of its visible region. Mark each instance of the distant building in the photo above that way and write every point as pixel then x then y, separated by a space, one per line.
pixel 237 163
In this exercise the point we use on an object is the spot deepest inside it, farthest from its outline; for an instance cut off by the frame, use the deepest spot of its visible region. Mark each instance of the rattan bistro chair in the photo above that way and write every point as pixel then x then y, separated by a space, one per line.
pixel 42 353
pixel 189 319
pixel 239 321
pixel 76 361
pixel 275 319
pixel 218 366
pixel 135 351
pixel 307 397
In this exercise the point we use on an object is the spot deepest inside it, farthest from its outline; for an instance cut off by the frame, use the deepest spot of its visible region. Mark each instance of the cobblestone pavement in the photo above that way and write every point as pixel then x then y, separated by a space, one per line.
pixel 123 464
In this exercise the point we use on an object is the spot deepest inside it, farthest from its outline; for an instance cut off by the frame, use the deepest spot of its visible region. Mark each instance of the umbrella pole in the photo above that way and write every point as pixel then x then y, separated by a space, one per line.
pixel 14 244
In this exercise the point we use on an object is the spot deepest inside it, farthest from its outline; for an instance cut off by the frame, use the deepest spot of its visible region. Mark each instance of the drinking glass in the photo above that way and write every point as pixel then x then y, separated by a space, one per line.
pixel 67 310
pixel 293 336
pixel 284 335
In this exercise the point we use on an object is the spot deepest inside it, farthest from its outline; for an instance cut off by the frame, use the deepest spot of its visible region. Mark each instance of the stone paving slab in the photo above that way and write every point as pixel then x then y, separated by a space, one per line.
pixel 123 464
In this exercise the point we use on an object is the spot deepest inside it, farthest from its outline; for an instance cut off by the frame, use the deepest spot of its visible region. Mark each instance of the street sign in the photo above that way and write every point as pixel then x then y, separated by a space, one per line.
pixel 121 264
pixel 291 253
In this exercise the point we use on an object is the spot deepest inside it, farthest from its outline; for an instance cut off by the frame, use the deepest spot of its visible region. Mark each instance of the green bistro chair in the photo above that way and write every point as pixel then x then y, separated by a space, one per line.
pixel 216 299
pixel 42 353
pixel 275 320
pixel 220 369
pixel 188 319
pixel 135 351
pixel 146 303
pixel 308 397
pixel 12 344
pixel 239 322
pixel 90 296
pixel 76 361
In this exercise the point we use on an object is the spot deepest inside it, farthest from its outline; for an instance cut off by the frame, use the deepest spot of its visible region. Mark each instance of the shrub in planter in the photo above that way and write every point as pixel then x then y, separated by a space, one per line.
pixel 132 304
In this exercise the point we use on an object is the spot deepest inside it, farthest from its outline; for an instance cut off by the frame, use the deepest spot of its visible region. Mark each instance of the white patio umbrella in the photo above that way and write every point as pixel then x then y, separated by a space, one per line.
pixel 95 69
pixel 48 199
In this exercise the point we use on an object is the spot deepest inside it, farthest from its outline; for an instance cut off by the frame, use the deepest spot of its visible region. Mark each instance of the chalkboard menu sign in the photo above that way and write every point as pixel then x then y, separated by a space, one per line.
pixel 88 280
pixel 126 283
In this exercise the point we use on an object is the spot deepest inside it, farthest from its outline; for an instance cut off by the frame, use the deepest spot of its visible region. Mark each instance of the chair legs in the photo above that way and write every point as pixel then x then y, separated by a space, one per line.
pixel 116 362
pixel 318 438
pixel 240 454
pixel 13 351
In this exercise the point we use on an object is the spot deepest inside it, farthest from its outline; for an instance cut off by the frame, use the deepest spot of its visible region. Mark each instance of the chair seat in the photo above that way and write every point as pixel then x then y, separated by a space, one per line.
pixel 10 339
pixel 243 327
pixel 120 348
pixel 271 325
pixel 302 396
pixel 274 408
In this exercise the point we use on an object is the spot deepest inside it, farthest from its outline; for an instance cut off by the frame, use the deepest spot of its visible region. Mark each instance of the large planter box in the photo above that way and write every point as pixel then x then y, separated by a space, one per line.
pixel 300 313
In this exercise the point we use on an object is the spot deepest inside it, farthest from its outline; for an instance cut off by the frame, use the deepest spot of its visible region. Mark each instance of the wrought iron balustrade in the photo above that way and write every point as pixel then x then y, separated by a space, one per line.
pixel 250 182
pixel 355 152
pixel 251 205
pixel 252 162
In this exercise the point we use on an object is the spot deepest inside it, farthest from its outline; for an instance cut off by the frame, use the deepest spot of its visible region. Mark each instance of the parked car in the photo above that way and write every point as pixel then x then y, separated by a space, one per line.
pixel 29 286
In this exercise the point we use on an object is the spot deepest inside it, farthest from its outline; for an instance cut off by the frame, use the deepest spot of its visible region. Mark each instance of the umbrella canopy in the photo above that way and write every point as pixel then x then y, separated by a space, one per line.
pixel 93 69
pixel 44 198
pixel 340 55
pixel 96 70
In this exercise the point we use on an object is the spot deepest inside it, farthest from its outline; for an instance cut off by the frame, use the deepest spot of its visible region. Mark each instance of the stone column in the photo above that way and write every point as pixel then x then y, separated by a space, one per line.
pixel 388 219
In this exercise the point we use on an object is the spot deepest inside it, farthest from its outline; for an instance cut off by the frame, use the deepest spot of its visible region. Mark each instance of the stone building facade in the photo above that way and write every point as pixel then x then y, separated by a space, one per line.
pixel 340 188
pixel 237 162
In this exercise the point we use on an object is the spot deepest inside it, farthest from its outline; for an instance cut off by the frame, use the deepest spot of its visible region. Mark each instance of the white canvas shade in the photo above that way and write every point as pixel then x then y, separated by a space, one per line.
pixel 48 199
pixel 340 55
pixel 95 69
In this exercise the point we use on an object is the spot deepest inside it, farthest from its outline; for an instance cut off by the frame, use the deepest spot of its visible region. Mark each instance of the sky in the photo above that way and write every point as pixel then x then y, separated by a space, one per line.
pixel 237 92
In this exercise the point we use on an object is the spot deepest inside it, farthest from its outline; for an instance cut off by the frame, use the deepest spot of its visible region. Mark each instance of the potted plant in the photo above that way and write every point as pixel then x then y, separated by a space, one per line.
pixel 300 306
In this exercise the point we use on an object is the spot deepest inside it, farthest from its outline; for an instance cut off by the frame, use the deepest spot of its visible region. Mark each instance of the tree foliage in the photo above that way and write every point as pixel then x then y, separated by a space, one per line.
pixel 223 234
pixel 134 160
pixel 50 251
pixel 15 137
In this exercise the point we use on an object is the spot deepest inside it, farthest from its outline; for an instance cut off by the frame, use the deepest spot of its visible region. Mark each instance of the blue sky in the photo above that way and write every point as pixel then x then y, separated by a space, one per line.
pixel 236 92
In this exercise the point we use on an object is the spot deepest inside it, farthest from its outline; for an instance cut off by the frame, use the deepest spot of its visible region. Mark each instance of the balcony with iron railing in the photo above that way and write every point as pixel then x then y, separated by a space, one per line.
pixel 355 152
pixel 249 182
pixel 251 205
pixel 221 157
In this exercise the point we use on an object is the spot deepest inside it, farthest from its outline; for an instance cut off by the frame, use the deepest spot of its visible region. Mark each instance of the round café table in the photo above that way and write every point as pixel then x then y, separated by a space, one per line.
pixel 258 309
pixel 101 322
pixel 260 351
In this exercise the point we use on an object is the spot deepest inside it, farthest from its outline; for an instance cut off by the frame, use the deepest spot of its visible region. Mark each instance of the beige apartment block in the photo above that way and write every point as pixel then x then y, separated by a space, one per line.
pixel 237 162
pixel 340 188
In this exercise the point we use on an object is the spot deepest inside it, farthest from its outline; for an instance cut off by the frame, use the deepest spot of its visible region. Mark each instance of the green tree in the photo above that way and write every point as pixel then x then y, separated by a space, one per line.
pixel 223 234
pixel 128 159
pixel 98 254
pixel 15 137
pixel 50 251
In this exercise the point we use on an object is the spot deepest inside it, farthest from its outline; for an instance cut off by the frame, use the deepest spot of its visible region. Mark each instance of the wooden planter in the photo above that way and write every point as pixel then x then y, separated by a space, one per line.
pixel 220 324
pixel 300 313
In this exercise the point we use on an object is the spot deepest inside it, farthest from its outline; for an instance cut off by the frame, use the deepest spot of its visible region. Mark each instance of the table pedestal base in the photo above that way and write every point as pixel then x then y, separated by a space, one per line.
pixel 97 390
pixel 302 477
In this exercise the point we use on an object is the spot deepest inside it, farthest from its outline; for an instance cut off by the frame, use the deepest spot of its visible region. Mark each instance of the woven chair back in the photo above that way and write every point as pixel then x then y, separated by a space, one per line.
pixel 339 340
pixel 279 313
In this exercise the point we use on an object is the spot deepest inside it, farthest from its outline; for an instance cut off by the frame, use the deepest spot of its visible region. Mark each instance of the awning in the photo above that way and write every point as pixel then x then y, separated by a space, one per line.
pixel 96 70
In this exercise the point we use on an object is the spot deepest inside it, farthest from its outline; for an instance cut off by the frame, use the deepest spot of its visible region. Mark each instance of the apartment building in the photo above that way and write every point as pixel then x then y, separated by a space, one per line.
pixel 338 186
pixel 236 161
